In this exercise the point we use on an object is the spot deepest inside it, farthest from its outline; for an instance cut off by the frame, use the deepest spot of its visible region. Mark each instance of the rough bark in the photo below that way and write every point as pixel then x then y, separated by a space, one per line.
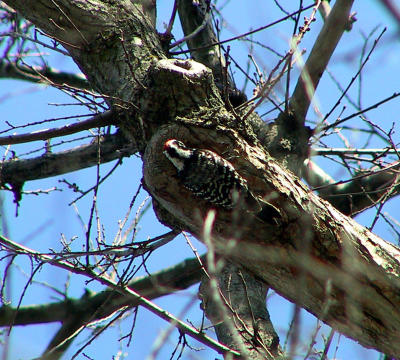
pixel 248 327
pixel 313 255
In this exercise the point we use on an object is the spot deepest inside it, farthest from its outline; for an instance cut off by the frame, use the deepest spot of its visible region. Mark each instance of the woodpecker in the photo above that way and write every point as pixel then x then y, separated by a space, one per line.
pixel 210 177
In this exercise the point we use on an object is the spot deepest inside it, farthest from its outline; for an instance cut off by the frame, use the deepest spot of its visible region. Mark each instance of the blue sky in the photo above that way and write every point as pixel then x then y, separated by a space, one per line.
pixel 44 219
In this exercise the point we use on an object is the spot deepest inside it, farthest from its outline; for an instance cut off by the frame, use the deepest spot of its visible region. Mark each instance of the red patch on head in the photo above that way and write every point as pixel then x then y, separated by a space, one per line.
pixel 168 143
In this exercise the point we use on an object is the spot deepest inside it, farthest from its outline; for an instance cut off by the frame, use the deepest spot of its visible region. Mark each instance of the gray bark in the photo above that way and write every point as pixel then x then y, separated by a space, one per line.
pixel 312 255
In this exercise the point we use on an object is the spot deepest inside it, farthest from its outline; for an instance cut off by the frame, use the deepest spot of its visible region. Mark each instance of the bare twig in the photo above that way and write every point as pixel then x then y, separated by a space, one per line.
pixel 19 171
pixel 356 75
pixel 167 33
pixel 374 106
pixel 98 120
pixel 134 250
pixel 36 41
pixel 319 57
pixel 40 74
pixel 346 151
pixel 123 289
pixel 360 192
pixel 94 307
pixel 245 34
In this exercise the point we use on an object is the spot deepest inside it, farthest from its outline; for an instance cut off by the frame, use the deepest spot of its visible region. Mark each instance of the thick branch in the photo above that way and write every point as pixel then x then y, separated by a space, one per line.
pixel 112 43
pixel 97 306
pixel 99 120
pixel 110 147
pixel 290 143
pixel 88 309
pixel 42 75
pixel 363 191
pixel 316 257
pixel 117 286
pixel 355 195
pixel 334 26
pixel 312 254
pixel 196 23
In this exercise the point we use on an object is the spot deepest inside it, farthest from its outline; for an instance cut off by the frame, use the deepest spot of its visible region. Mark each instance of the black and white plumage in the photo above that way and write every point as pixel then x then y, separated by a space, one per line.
pixel 209 176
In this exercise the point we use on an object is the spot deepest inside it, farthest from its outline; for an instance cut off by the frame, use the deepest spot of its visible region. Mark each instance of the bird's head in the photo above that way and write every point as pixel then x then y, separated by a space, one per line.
pixel 177 153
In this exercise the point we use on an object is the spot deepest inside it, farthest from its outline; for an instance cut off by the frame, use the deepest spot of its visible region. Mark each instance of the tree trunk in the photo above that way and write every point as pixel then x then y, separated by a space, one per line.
pixel 311 253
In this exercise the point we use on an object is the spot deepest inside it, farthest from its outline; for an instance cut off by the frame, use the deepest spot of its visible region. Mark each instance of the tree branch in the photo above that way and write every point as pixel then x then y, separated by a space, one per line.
pixel 99 120
pixel 98 306
pixel 196 19
pixel 120 56
pixel 347 151
pixel 334 26
pixel 91 307
pixel 122 289
pixel 311 254
pixel 317 257
pixel 393 10
pixel 42 75
pixel 235 302
pixel 110 147
pixel 359 193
